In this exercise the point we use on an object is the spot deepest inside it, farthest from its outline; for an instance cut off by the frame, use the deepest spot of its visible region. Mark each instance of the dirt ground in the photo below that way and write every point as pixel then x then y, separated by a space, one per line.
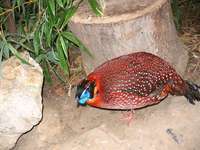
pixel 172 124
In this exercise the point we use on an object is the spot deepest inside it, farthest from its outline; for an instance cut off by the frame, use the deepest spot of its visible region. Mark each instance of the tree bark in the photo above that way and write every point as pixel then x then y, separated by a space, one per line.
pixel 129 26
pixel 10 19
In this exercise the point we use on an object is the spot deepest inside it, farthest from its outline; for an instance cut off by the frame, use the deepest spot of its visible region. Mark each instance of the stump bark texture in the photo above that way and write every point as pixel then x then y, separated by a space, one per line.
pixel 129 26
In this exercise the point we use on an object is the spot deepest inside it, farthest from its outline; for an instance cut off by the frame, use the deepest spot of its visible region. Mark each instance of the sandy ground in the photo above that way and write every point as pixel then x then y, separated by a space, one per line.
pixel 172 124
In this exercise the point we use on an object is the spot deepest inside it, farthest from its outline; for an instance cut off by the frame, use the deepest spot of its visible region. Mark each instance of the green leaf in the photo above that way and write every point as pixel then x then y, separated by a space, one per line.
pixel 19 3
pixel 53 20
pixel 5 49
pixel 177 14
pixel 51 6
pixel 36 42
pixel 64 47
pixel 52 57
pixel 96 8
pixel 1 9
pixel 67 15
pixel 15 52
pixel 20 43
pixel 40 57
pixel 1 56
pixel 71 37
pixel 60 3
pixel 68 3
pixel 46 72
pixel 48 33
pixel 62 60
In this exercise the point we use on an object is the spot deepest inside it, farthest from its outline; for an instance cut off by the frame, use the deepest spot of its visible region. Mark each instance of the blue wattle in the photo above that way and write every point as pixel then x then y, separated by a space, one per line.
pixel 85 96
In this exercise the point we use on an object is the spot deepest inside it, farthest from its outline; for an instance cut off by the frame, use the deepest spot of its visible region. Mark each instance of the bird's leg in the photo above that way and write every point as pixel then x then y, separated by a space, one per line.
pixel 128 116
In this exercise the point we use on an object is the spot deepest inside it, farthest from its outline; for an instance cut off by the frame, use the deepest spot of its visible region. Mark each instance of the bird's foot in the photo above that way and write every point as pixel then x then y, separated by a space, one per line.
pixel 128 116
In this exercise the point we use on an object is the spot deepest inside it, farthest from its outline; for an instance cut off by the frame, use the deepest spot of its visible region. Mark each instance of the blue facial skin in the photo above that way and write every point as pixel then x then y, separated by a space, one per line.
pixel 85 96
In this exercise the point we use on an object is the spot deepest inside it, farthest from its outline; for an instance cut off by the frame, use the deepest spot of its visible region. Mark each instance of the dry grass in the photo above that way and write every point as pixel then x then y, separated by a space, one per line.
pixel 190 35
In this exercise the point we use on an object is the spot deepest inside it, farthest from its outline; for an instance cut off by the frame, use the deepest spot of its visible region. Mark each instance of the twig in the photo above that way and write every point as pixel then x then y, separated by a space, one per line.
pixel 12 9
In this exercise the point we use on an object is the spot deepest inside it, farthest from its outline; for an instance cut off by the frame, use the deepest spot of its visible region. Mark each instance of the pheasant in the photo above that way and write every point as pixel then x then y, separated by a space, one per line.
pixel 133 81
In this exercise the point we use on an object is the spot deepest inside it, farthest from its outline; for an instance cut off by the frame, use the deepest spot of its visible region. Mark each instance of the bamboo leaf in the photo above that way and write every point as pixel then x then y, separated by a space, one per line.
pixel 67 2
pixel 48 33
pixel 71 37
pixel 19 2
pixel 60 3
pixel 46 72
pixel 96 8
pixel 1 9
pixel 64 47
pixel 51 5
pixel 20 43
pixel 16 53
pixel 40 57
pixel 1 56
pixel 53 57
pixel 36 42
pixel 67 15
pixel 62 60
pixel 6 52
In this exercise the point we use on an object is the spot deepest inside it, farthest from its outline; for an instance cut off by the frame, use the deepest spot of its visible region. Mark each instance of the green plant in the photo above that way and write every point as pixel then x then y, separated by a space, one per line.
pixel 177 15
pixel 184 10
pixel 41 28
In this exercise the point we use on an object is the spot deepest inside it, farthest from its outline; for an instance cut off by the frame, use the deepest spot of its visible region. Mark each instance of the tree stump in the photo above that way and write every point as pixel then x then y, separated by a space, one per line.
pixel 129 26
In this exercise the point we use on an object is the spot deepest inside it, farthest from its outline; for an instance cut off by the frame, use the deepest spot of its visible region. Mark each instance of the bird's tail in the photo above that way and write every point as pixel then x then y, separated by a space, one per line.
pixel 192 92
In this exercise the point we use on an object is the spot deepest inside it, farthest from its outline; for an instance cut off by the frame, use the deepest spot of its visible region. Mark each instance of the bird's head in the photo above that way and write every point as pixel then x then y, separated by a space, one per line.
pixel 86 90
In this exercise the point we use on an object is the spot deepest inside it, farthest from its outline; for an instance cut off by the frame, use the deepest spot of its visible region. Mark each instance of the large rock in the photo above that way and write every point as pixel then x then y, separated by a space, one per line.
pixel 20 99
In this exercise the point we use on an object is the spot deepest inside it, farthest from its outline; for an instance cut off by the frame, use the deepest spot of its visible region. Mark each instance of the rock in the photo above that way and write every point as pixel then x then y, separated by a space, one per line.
pixel 52 129
pixel 20 99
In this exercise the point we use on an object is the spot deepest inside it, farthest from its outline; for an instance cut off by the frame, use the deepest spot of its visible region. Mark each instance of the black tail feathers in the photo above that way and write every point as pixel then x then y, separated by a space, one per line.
pixel 192 92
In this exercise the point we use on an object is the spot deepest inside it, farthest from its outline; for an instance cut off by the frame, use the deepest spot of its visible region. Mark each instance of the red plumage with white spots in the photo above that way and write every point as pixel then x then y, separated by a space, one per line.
pixel 133 81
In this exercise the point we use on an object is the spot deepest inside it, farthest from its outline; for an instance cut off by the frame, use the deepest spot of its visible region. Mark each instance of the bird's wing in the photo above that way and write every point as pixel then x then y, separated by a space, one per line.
pixel 142 83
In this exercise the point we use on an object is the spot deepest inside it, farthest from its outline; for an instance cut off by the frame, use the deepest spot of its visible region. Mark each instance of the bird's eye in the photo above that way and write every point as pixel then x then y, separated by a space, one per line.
pixel 87 86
